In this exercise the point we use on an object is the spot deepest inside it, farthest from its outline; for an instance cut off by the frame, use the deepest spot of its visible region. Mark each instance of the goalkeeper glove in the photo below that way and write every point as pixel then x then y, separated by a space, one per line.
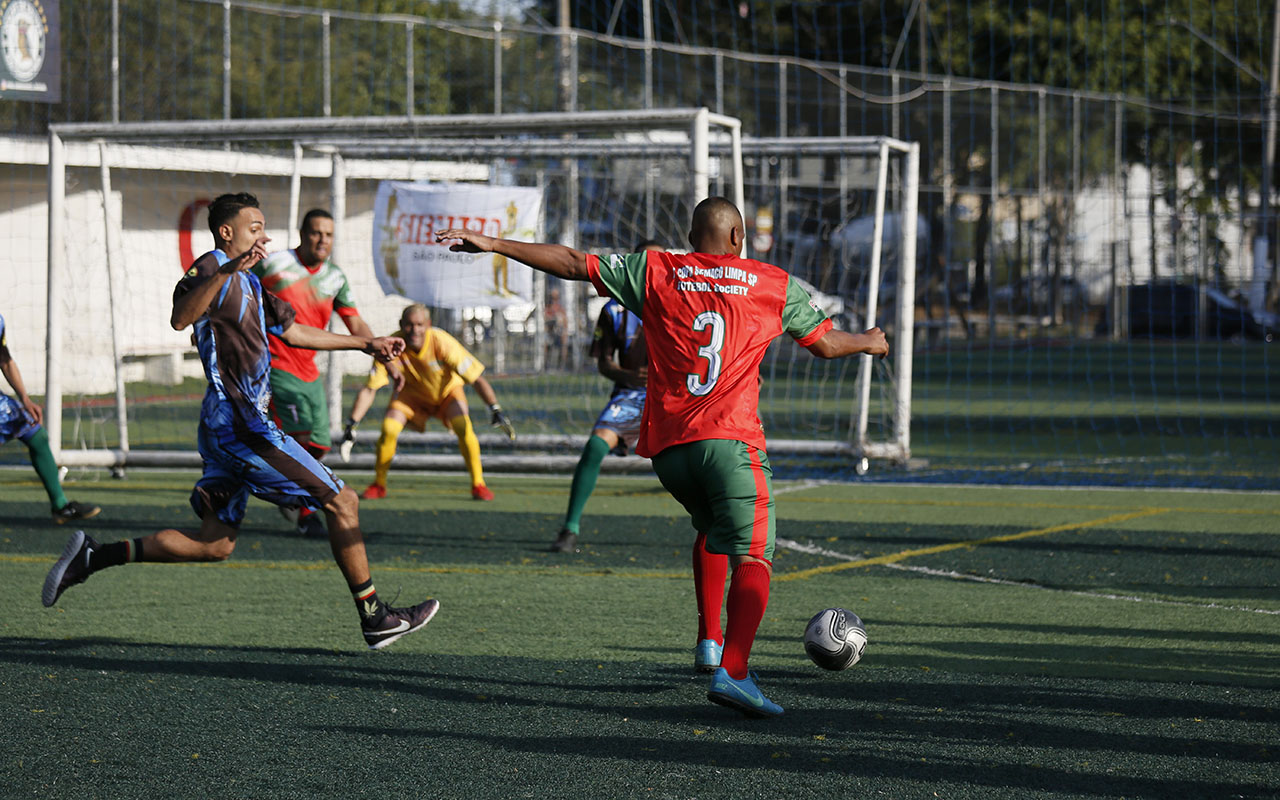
pixel 348 440
pixel 501 420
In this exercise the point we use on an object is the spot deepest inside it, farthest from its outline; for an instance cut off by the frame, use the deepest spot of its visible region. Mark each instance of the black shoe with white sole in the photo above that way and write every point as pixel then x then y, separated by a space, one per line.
pixel 72 567
pixel 397 622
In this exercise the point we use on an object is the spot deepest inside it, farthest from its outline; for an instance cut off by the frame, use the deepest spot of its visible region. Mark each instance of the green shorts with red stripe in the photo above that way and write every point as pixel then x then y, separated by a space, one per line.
pixel 301 408
pixel 726 486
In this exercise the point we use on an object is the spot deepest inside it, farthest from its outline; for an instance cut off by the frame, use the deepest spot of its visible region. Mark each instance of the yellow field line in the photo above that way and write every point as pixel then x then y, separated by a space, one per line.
pixel 888 558
pixel 891 558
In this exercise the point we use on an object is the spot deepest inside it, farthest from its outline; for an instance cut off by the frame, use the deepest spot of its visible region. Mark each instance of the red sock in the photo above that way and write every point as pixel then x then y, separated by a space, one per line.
pixel 748 597
pixel 709 572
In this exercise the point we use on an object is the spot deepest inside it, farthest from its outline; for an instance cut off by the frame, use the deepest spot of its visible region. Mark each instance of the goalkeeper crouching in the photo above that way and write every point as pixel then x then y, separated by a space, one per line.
pixel 429 378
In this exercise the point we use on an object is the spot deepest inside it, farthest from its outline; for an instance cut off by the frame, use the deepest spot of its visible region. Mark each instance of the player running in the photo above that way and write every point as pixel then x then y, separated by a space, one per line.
pixel 244 451
pixel 20 419
pixel 435 367
pixel 709 317
pixel 618 346
pixel 307 280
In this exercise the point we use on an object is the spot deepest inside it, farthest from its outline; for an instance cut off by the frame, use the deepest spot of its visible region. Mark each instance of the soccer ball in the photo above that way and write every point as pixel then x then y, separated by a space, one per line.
pixel 835 638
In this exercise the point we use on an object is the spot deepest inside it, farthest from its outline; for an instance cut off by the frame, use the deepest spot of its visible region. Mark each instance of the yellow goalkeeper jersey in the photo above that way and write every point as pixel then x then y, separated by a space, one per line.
pixel 433 372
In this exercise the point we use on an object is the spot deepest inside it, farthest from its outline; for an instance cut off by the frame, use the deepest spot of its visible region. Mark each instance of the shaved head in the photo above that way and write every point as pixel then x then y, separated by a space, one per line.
pixel 717 227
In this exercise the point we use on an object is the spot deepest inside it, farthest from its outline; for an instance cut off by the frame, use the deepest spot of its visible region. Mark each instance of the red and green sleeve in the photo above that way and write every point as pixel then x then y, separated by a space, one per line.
pixel 343 302
pixel 621 277
pixel 801 317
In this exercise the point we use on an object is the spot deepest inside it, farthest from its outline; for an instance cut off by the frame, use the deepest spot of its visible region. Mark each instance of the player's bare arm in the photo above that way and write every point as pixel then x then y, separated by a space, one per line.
pixel 614 372
pixel 358 327
pixel 396 375
pixel 837 344
pixel 9 368
pixel 362 404
pixel 192 305
pixel 553 259
pixel 383 348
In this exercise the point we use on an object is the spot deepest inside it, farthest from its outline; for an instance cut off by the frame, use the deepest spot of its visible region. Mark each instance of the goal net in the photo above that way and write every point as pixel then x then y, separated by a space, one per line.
pixel 126 216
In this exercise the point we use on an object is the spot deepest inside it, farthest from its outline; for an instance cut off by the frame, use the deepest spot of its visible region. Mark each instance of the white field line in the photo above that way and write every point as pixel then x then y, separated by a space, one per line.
pixel 813 549
pixel 798 487
pixel 791 544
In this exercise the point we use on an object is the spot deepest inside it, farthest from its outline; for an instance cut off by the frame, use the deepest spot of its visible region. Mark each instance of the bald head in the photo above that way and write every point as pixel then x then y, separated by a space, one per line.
pixel 717 228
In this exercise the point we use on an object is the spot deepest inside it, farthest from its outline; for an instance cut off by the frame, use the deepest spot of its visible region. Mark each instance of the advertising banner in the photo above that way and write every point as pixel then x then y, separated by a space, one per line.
pixel 408 261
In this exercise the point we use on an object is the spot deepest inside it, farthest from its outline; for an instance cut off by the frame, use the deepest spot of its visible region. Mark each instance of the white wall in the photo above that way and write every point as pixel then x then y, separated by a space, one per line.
pixel 150 202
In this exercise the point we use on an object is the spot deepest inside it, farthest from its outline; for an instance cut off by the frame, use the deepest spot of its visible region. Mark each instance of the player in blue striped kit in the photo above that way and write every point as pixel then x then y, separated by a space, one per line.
pixel 243 450
pixel 618 345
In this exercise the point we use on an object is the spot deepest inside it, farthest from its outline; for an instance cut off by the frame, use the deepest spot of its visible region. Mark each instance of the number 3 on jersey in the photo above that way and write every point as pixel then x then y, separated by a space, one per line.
pixel 710 351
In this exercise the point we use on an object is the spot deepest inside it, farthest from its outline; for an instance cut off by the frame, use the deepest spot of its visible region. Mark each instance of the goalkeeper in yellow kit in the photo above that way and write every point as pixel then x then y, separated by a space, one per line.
pixel 433 368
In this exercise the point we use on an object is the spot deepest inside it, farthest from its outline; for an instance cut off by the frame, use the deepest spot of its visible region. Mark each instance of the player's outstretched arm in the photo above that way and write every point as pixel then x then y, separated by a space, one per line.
pixel 383 348
pixel 553 259
pixel 614 372
pixel 191 306
pixel 838 344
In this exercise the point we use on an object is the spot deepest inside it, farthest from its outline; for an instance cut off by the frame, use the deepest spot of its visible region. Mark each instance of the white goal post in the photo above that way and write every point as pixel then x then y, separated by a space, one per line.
pixel 692 147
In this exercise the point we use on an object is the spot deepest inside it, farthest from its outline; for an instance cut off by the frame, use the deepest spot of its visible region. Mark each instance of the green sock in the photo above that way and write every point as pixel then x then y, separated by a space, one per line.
pixel 584 480
pixel 46 467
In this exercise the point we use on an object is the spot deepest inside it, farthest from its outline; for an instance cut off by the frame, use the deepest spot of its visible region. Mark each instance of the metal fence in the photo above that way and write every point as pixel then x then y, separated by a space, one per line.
pixel 1050 215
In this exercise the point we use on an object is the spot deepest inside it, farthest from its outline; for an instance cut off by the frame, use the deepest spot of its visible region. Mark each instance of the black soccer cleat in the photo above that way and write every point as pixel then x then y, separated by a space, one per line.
pixel 72 567
pixel 566 542
pixel 397 622
pixel 73 510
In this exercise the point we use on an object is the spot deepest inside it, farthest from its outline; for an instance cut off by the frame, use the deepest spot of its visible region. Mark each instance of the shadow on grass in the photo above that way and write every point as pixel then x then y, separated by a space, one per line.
pixel 638 721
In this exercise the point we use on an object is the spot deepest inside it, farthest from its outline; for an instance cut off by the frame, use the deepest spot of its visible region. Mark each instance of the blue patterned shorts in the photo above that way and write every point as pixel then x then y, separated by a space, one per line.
pixel 14 422
pixel 623 415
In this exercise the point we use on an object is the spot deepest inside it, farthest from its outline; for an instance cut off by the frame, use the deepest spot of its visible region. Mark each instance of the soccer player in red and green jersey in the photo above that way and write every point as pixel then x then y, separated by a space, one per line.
pixel 315 287
pixel 709 317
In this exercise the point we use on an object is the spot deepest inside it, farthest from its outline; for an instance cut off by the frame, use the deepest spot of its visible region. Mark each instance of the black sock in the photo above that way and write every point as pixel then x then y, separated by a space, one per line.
pixel 115 554
pixel 367 602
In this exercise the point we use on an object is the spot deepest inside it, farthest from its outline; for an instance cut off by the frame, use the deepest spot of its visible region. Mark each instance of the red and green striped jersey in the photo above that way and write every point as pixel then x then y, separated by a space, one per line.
pixel 314 293
pixel 708 320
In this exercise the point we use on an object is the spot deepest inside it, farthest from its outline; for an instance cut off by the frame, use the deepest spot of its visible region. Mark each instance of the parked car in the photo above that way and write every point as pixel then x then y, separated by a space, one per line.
pixel 1167 309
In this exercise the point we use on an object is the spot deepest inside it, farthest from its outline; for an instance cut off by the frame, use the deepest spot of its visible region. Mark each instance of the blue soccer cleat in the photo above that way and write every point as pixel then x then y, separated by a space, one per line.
pixel 743 695
pixel 706 656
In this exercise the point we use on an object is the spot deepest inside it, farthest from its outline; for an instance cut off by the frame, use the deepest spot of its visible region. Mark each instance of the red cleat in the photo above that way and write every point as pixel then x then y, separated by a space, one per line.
pixel 481 492
pixel 374 492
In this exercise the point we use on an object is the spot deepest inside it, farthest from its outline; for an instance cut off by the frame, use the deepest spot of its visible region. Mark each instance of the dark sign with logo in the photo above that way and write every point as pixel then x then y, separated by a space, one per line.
pixel 30 59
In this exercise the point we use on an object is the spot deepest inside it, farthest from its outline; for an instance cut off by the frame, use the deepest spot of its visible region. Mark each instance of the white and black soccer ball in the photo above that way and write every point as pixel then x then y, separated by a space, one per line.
pixel 835 638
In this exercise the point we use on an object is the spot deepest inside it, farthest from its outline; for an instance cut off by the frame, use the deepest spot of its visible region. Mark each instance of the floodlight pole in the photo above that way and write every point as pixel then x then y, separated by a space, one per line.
pixel 115 60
